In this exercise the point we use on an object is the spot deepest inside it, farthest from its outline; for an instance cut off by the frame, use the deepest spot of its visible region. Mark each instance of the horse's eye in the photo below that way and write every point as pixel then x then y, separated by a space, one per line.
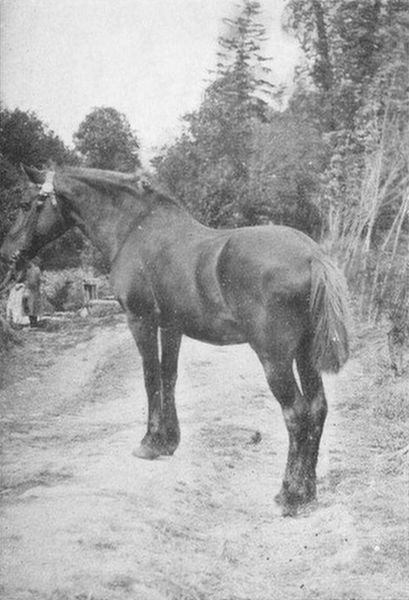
pixel 25 205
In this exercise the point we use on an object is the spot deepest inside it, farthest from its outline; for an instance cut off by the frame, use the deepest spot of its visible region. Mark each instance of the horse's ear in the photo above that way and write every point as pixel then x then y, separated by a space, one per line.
pixel 32 174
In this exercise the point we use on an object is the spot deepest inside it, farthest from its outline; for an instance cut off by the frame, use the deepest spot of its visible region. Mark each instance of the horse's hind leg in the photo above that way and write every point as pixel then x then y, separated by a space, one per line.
pixel 314 394
pixel 299 479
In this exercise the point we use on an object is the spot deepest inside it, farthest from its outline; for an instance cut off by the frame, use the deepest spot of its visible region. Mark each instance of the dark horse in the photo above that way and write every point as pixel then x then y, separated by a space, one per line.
pixel 269 286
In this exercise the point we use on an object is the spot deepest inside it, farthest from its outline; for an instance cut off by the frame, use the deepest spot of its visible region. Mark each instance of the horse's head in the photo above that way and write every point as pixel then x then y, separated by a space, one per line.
pixel 40 217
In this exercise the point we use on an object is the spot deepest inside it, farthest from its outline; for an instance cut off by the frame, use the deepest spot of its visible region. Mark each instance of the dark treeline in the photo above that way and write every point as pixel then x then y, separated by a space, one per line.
pixel 330 159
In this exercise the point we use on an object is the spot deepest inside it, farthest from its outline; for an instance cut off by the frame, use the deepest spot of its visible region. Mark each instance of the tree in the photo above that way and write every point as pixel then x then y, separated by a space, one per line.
pixel 24 138
pixel 288 157
pixel 9 195
pixel 208 167
pixel 356 51
pixel 240 162
pixel 106 141
pixel 242 90
pixel 354 85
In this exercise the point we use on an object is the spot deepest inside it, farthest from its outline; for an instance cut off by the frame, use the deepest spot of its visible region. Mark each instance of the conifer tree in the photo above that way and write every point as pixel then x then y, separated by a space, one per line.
pixel 216 150
pixel 242 88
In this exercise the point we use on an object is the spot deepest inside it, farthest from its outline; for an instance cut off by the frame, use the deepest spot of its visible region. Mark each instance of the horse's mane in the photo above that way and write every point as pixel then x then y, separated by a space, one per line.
pixel 113 183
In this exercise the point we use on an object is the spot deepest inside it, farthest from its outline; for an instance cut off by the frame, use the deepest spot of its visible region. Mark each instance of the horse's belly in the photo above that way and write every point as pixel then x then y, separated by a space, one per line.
pixel 211 328
pixel 222 334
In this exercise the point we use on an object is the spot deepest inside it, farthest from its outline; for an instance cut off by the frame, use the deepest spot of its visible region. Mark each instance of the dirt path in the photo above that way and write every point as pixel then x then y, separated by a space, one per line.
pixel 83 519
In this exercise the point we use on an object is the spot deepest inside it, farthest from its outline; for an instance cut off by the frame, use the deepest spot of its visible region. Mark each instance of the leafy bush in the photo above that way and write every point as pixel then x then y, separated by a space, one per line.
pixel 63 290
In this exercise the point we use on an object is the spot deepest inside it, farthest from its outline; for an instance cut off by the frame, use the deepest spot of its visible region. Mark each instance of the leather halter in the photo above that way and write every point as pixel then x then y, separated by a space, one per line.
pixel 47 191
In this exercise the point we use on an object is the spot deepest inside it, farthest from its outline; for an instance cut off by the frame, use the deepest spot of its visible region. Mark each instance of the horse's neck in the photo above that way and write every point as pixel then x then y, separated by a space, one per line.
pixel 105 224
pixel 108 223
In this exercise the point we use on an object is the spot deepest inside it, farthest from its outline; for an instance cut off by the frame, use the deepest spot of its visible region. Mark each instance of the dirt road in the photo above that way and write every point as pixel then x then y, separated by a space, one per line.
pixel 83 519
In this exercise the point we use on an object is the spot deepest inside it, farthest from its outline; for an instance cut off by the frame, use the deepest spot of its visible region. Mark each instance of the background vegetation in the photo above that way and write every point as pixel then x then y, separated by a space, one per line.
pixel 329 156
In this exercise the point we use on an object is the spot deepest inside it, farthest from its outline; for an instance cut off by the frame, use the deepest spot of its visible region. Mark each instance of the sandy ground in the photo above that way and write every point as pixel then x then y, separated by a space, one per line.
pixel 83 519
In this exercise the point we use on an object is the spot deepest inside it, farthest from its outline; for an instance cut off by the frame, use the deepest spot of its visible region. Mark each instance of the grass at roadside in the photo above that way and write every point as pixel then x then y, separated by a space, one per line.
pixel 385 394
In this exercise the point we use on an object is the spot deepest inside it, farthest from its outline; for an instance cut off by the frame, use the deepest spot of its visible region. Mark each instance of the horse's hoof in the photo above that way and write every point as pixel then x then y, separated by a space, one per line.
pixel 292 502
pixel 146 452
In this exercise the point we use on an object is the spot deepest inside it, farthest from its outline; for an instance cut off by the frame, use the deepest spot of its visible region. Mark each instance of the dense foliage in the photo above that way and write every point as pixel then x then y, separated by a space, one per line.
pixel 234 163
pixel 333 162
pixel 354 82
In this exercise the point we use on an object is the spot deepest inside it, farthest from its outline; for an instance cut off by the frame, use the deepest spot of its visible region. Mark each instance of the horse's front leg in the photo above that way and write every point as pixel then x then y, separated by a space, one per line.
pixel 170 345
pixel 145 331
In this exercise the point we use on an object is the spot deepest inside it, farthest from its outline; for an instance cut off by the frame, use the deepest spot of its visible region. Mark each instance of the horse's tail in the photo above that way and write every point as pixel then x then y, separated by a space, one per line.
pixel 329 313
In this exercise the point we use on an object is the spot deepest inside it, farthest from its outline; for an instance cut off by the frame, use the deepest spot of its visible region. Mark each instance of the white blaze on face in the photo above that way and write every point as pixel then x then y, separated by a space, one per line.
pixel 47 189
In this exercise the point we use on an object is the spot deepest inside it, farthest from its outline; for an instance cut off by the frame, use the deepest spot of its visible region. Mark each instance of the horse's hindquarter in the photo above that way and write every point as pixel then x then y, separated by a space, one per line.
pixel 265 277
pixel 266 260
